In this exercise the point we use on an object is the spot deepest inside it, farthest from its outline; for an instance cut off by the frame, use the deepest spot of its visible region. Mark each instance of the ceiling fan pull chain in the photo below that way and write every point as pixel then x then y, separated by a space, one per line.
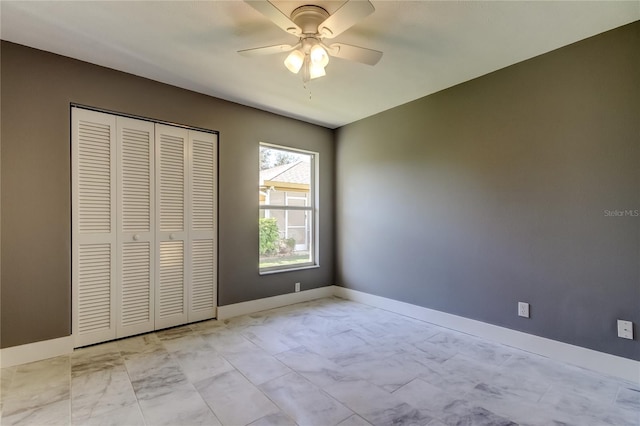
pixel 304 85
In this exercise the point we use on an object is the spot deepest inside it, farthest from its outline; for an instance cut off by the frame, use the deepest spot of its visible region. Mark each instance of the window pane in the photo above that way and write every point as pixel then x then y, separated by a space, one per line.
pixel 286 187
pixel 285 177
pixel 285 238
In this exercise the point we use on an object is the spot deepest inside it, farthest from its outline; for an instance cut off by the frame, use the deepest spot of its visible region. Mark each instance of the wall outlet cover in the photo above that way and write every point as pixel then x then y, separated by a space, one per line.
pixel 625 329
pixel 523 309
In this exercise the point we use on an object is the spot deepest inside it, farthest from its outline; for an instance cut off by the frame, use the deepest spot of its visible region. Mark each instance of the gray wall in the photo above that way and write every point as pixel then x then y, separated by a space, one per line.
pixel 494 191
pixel 37 88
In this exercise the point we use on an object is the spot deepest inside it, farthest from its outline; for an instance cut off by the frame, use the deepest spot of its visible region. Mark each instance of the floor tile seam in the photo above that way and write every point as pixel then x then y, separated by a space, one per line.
pixel 501 363
pixel 135 394
pixel 206 403
pixel 90 416
pixel 106 414
pixel 615 398
pixel 317 387
pixel 612 400
pixel 275 403
pixel 463 357
pixel 430 412
pixel 369 383
pixel 474 339
pixel 241 333
pixel 325 393
pixel 214 412
pixel 548 388
pixel 71 397
pixel 40 407
pixel 282 351
pixel 273 378
pixel 498 374
pixel 18 396
pixel 21 368
pixel 37 387
pixel 235 369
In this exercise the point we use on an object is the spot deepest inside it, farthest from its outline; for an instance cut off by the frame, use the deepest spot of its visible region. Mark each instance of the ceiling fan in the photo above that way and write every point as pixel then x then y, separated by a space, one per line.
pixel 312 25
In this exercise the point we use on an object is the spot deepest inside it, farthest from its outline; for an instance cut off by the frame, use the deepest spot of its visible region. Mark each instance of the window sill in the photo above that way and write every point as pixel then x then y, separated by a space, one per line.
pixel 285 269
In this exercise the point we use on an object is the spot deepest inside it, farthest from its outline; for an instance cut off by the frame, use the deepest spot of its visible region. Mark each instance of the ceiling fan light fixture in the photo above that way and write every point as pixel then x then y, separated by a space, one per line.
pixel 319 56
pixel 316 70
pixel 294 61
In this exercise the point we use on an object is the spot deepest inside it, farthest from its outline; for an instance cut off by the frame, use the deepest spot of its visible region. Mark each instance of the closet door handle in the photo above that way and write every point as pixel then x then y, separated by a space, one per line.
pixel 136 237
pixel 172 236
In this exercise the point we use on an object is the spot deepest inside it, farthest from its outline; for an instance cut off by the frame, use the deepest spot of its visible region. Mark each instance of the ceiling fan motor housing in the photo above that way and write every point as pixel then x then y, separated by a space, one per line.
pixel 308 18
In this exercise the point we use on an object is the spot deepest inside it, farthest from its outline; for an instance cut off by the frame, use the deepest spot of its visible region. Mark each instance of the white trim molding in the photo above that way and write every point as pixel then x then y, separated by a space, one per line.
pixel 36 351
pixel 601 362
pixel 612 365
pixel 252 306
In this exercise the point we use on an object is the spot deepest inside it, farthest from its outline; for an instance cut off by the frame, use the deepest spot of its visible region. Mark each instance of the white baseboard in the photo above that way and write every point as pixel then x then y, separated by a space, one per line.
pixel 582 357
pixel 37 351
pixel 624 368
pixel 243 308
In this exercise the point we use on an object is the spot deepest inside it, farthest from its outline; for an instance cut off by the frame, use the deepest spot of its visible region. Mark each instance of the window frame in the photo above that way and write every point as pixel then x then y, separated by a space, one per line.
pixel 312 208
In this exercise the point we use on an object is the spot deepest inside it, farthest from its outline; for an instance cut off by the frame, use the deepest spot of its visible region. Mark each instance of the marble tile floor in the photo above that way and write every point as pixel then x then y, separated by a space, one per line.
pixel 324 362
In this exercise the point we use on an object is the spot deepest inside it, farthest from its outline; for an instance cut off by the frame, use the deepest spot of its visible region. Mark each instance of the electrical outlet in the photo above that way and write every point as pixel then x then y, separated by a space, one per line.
pixel 523 309
pixel 625 329
pixel 297 287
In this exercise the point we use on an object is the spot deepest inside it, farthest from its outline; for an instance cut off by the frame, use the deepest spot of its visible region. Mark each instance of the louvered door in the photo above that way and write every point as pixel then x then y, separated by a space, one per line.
pixel 135 227
pixel 171 235
pixel 202 226
pixel 144 220
pixel 94 226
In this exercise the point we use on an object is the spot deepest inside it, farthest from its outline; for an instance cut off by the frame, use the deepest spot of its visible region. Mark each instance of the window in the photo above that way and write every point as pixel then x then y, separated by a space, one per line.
pixel 287 208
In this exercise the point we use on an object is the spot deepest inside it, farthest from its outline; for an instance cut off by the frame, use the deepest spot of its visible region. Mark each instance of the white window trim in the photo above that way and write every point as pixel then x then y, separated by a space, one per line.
pixel 313 208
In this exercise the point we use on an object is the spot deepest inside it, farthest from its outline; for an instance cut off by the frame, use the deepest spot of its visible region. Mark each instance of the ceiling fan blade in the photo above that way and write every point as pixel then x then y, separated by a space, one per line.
pixel 266 50
pixel 345 17
pixel 276 16
pixel 354 53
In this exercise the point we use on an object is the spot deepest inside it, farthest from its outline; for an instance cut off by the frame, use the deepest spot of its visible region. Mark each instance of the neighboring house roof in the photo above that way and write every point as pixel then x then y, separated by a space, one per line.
pixel 292 173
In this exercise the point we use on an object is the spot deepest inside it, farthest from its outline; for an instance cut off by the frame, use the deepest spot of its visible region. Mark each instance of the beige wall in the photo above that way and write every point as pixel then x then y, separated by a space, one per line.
pixel 37 89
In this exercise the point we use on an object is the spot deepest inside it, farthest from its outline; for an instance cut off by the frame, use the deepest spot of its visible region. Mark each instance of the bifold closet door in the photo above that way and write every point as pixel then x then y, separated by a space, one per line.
pixel 136 228
pixel 171 236
pixel 144 220
pixel 113 226
pixel 186 209
pixel 94 226
pixel 202 297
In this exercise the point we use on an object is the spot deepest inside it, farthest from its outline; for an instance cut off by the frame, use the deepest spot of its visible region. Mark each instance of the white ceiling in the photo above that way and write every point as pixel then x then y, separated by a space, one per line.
pixel 428 46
